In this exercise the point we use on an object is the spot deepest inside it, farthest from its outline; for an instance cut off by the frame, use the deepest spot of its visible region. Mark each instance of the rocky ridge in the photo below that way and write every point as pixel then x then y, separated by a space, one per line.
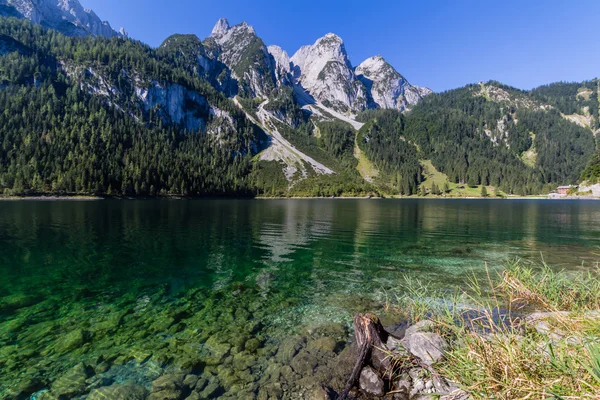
pixel 387 88
pixel 325 71
pixel 66 16
pixel 246 55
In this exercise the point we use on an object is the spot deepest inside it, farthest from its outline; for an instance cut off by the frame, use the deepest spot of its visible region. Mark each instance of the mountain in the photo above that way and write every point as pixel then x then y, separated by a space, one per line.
pixel 66 16
pixel 246 55
pixel 137 125
pixel 227 115
pixel 387 88
pixel 325 71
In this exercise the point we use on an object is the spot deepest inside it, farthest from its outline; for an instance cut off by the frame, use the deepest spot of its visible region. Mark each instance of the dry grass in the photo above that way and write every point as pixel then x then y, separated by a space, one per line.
pixel 496 355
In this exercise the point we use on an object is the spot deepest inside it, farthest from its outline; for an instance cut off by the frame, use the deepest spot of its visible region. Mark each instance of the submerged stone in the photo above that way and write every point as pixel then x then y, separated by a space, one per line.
pixel 70 341
pixel 289 348
pixel 72 383
pixel 119 392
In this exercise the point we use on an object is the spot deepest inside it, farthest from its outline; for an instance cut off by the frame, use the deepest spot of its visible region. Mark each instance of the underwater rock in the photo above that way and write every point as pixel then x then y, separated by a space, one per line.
pixel 288 348
pixel 252 345
pixel 119 392
pixel 17 301
pixel 70 341
pixel 217 351
pixel 320 393
pixel 212 390
pixel 72 383
pixel 304 363
pixel 323 344
pixel 190 381
pixel 370 382
pixel 168 387
pixel 242 361
pixel 271 391
pixel 26 388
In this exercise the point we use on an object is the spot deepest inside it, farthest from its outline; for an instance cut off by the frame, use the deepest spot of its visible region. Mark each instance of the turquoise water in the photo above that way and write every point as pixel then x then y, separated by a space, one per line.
pixel 145 287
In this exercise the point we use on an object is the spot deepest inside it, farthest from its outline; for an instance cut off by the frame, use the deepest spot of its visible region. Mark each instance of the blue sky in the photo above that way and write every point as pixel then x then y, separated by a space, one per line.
pixel 439 44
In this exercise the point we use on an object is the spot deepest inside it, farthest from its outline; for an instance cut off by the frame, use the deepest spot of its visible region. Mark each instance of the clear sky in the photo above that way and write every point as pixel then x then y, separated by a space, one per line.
pixel 439 44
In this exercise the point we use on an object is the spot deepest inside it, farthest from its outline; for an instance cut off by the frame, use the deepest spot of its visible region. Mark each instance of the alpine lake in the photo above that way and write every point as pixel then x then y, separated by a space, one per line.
pixel 239 299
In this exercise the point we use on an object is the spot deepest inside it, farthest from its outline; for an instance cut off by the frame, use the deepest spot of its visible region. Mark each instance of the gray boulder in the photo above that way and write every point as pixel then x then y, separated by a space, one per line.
pixel 427 346
pixel 370 382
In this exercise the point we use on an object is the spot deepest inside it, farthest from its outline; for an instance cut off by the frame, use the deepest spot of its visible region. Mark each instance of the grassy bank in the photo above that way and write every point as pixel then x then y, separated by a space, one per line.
pixel 536 336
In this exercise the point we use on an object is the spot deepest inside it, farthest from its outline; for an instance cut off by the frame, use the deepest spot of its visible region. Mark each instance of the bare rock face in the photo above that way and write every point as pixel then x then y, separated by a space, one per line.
pixel 221 28
pixel 324 70
pixel 173 100
pixel 387 88
pixel 370 382
pixel 283 65
pixel 242 51
pixel 66 16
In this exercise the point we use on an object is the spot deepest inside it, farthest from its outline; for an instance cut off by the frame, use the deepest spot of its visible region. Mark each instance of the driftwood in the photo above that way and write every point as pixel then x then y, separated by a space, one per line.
pixel 370 337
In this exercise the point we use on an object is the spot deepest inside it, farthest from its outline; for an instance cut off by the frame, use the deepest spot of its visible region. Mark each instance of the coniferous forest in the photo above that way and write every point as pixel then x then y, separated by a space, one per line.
pixel 74 121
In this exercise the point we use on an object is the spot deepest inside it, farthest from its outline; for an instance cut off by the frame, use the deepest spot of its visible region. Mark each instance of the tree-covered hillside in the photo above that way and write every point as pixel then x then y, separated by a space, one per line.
pixel 572 98
pixel 117 117
pixel 61 134
pixel 494 135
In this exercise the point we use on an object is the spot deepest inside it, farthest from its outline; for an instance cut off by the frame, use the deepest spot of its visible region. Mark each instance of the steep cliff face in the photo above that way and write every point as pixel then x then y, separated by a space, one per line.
pixel 386 87
pixel 189 51
pixel 246 55
pixel 66 16
pixel 283 65
pixel 179 104
pixel 324 70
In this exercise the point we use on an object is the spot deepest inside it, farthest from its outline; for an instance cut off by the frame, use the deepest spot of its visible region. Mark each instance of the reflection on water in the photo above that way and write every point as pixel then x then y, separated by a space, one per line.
pixel 310 261
pixel 108 245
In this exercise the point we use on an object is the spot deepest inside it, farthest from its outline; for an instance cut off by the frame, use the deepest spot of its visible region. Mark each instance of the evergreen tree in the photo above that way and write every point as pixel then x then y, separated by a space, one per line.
pixel 484 192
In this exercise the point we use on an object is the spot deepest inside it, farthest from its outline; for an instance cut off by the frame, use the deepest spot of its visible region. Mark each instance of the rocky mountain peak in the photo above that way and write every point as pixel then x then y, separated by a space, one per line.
pixel 66 16
pixel 221 28
pixel 377 68
pixel 324 69
pixel 282 63
pixel 386 86
pixel 245 54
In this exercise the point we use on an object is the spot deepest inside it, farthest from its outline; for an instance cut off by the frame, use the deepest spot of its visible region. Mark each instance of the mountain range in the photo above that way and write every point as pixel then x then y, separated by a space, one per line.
pixel 90 111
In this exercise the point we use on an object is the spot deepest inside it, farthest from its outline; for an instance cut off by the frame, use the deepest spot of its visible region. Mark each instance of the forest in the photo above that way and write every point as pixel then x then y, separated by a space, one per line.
pixel 58 137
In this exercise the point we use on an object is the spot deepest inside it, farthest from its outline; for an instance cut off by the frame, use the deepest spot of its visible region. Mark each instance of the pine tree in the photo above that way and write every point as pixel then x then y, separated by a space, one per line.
pixel 484 192
pixel 446 188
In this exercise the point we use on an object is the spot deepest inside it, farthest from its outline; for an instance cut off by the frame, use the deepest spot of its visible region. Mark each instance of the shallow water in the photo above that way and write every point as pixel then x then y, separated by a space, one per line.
pixel 142 286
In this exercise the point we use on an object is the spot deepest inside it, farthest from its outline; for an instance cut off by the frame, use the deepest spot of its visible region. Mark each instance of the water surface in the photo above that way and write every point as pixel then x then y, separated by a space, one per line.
pixel 286 265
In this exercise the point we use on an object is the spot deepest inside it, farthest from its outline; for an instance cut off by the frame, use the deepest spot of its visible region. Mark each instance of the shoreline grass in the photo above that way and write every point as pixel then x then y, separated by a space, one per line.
pixel 529 332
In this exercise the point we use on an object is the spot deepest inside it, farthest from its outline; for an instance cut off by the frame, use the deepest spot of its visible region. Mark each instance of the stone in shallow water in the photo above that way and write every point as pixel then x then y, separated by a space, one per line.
pixel 289 348
pixel 72 383
pixel 216 351
pixel 70 341
pixel 242 361
pixel 190 381
pixel 304 363
pixel 168 387
pixel 252 345
pixel 324 344
pixel 370 382
pixel 119 392
pixel 212 390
